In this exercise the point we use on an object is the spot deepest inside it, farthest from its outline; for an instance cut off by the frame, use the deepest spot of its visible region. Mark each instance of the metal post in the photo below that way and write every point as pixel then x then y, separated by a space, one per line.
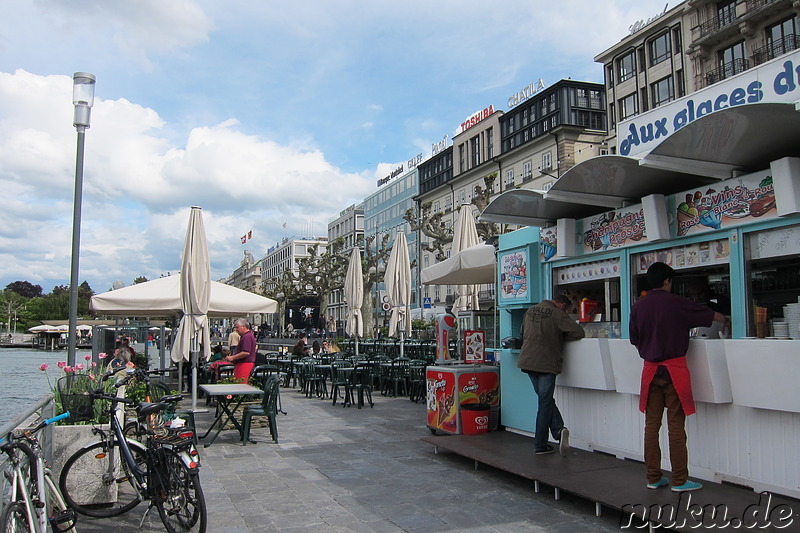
pixel 76 244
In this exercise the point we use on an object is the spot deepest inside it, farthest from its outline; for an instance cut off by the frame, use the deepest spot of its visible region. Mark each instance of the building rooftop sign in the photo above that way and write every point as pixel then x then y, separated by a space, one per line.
pixel 526 92
pixel 777 81
pixel 639 24
pixel 396 172
pixel 474 119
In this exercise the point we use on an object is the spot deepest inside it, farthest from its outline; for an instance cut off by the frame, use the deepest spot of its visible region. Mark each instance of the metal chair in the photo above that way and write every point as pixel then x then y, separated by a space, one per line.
pixel 417 388
pixel 340 371
pixel 268 407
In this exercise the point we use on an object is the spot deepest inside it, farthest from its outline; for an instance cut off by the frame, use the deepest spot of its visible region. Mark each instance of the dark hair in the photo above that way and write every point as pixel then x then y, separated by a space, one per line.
pixel 658 273
pixel 562 299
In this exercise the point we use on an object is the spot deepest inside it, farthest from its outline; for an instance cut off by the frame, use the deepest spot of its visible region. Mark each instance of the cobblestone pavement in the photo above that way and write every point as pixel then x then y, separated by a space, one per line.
pixel 361 470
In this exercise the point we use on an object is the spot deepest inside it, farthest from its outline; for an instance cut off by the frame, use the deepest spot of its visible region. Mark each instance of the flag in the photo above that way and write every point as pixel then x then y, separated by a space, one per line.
pixel 244 239
pixel 284 225
pixel 250 235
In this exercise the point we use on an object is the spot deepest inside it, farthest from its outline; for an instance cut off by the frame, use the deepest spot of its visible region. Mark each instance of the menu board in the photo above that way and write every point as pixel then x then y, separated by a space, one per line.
pixel 514 275
pixel 732 202
pixel 594 270
pixel 688 256
pixel 776 242
pixel 474 346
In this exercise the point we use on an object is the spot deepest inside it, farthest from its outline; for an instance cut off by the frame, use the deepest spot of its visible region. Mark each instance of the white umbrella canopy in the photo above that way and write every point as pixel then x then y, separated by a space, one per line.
pixel 476 264
pixel 195 292
pixel 162 297
pixel 354 295
pixel 398 288
pixel 465 235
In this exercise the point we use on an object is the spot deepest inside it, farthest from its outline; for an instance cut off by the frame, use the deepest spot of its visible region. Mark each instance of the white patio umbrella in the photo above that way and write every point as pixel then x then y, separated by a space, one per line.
pixel 195 294
pixel 476 264
pixel 398 288
pixel 465 235
pixel 354 295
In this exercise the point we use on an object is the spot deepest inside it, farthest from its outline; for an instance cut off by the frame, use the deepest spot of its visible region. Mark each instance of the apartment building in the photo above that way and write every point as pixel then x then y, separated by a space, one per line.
pixel 348 225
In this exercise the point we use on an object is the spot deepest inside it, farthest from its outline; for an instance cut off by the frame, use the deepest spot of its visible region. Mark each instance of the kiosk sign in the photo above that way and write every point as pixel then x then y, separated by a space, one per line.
pixel 776 81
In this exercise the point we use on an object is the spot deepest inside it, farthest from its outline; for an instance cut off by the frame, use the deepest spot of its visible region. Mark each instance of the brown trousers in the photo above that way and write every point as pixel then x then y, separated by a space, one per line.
pixel 662 395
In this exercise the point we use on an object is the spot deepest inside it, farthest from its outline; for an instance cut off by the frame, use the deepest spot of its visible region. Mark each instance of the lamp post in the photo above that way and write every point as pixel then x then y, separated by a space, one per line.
pixel 82 99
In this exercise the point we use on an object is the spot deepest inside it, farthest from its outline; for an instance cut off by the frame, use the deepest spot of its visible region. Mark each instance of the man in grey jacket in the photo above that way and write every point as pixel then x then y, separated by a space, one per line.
pixel 544 329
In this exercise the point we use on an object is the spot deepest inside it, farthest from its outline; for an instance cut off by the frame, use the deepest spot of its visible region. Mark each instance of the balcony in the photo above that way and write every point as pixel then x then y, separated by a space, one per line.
pixel 591 103
pixel 716 24
pixel 776 49
pixel 726 71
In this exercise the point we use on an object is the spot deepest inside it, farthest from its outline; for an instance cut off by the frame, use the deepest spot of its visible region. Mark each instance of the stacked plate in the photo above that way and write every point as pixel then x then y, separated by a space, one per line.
pixel 791 313
pixel 780 330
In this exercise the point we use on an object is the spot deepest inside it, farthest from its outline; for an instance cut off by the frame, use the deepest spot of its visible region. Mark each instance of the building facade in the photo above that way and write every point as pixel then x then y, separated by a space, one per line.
pixel 692 46
pixel 348 226
pixel 248 275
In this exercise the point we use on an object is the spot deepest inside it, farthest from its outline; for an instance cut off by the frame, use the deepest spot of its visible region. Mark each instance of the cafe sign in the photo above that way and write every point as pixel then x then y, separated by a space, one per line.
pixel 776 81
pixel 614 229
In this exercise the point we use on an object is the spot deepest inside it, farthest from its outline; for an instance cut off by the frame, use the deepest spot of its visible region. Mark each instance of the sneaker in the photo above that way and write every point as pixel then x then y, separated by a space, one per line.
pixel 686 487
pixel 547 449
pixel 563 442
pixel 658 484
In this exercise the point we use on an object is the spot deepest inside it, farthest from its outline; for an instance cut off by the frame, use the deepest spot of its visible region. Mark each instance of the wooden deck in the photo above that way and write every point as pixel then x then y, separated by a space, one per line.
pixel 620 484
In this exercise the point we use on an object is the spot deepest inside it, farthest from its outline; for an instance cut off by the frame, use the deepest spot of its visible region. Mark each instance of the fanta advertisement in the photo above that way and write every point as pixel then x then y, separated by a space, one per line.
pixel 777 81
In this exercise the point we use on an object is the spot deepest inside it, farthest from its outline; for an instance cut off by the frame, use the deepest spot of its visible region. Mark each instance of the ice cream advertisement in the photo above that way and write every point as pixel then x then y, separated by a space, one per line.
pixel 548 239
pixel 514 275
pixel 732 202
pixel 614 229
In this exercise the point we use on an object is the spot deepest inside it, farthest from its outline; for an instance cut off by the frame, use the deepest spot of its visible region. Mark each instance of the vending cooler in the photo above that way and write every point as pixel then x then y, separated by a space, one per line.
pixel 451 386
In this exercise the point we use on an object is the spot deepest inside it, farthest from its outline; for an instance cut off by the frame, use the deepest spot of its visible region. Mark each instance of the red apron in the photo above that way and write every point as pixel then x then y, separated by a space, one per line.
pixel 681 380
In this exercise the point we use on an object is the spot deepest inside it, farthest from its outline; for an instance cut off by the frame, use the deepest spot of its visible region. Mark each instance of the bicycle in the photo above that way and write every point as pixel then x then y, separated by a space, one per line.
pixel 160 422
pixel 34 501
pixel 112 475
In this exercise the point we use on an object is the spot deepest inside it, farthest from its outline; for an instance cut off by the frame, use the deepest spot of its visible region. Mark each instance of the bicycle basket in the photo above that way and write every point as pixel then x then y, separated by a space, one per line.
pixel 74 390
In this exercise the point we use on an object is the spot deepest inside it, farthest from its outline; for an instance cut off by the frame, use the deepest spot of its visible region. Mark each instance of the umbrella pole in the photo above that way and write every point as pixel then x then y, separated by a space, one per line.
pixel 356 345
pixel 180 375
pixel 402 341
pixel 193 356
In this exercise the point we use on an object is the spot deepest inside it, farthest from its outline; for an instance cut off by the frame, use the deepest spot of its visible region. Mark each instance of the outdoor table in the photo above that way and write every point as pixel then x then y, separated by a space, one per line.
pixel 229 398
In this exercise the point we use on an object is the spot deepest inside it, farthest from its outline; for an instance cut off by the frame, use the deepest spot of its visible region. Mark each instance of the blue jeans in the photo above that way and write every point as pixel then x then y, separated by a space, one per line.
pixel 549 417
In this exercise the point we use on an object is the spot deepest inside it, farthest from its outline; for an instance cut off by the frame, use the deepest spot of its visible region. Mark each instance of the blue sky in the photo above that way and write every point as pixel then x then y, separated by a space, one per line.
pixel 260 112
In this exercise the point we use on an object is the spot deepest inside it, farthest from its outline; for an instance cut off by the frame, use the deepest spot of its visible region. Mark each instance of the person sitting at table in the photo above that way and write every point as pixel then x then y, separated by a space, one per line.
pixel 216 353
pixel 316 349
pixel 333 347
pixel 300 349
pixel 326 349
pixel 245 357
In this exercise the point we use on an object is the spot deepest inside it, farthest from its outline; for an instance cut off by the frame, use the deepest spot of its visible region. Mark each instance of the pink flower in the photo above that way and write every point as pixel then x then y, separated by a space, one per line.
pixel 93 364
pixel 44 367
pixel 68 369
pixel 87 357
pixel 80 366
pixel 61 364
pixel 92 377
pixel 102 355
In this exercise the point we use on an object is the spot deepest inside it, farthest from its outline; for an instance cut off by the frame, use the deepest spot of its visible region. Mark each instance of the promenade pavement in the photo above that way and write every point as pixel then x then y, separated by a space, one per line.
pixel 361 470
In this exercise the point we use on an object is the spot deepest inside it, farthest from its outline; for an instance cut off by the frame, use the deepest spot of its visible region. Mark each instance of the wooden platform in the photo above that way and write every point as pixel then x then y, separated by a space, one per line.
pixel 621 485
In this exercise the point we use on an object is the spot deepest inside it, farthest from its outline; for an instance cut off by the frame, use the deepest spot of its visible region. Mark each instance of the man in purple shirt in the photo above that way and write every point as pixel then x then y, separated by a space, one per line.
pixel 245 357
pixel 659 328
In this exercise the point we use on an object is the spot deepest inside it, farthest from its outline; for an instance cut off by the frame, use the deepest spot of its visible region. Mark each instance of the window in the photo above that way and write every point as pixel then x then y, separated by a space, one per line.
pixel 660 49
pixel 462 197
pixel 732 60
pixel 509 181
pixel 662 91
pixel 490 143
pixel 627 106
pixel 782 38
pixel 448 204
pixel 461 167
pixel 676 38
pixel 527 170
pixel 547 161
pixel 436 207
pixel 726 12
pixel 475 144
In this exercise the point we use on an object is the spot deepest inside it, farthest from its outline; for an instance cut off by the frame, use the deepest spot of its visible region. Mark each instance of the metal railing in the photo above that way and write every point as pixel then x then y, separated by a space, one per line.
pixel 726 71
pixel 44 408
pixel 775 49
pixel 717 23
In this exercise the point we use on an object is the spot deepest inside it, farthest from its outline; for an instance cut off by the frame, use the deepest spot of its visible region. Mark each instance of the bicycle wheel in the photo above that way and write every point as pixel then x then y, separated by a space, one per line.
pixel 96 481
pixel 60 516
pixel 14 519
pixel 180 501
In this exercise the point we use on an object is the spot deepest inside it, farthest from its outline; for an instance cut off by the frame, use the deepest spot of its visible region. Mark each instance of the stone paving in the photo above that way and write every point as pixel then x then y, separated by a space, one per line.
pixel 361 470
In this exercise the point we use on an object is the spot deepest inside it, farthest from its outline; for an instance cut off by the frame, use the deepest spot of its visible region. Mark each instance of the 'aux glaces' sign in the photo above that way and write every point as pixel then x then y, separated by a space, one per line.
pixel 776 81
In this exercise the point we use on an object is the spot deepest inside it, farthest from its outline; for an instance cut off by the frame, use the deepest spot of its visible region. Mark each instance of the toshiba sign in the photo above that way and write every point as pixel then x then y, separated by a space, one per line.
pixel 474 119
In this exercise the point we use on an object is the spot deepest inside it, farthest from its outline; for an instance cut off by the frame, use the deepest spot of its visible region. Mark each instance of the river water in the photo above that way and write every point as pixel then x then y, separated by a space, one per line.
pixel 21 381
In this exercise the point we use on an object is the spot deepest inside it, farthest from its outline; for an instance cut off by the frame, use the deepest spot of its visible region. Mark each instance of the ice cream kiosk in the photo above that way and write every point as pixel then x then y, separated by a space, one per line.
pixel 718 199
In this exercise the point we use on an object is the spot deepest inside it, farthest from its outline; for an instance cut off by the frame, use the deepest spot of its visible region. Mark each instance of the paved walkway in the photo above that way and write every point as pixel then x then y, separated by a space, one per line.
pixel 351 470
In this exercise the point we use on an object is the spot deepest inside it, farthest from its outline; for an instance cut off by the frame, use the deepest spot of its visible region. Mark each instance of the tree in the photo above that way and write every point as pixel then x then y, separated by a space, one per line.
pixel 481 199
pixel 323 273
pixel 10 304
pixel 25 289
pixel 139 279
pixel 283 288
pixel 373 272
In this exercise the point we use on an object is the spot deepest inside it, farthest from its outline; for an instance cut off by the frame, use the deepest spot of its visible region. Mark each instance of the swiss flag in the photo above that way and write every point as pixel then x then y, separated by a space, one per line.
pixel 244 239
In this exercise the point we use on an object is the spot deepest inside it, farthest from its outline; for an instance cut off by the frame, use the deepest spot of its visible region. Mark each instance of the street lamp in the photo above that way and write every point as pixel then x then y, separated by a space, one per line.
pixel 82 99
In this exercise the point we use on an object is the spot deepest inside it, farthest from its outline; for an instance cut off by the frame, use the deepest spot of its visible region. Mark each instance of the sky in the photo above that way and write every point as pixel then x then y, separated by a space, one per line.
pixel 263 113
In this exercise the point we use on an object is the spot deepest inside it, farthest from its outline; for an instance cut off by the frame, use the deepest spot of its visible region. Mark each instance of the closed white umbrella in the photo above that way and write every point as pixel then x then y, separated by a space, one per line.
pixel 354 295
pixel 476 264
pixel 465 235
pixel 398 288
pixel 195 294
